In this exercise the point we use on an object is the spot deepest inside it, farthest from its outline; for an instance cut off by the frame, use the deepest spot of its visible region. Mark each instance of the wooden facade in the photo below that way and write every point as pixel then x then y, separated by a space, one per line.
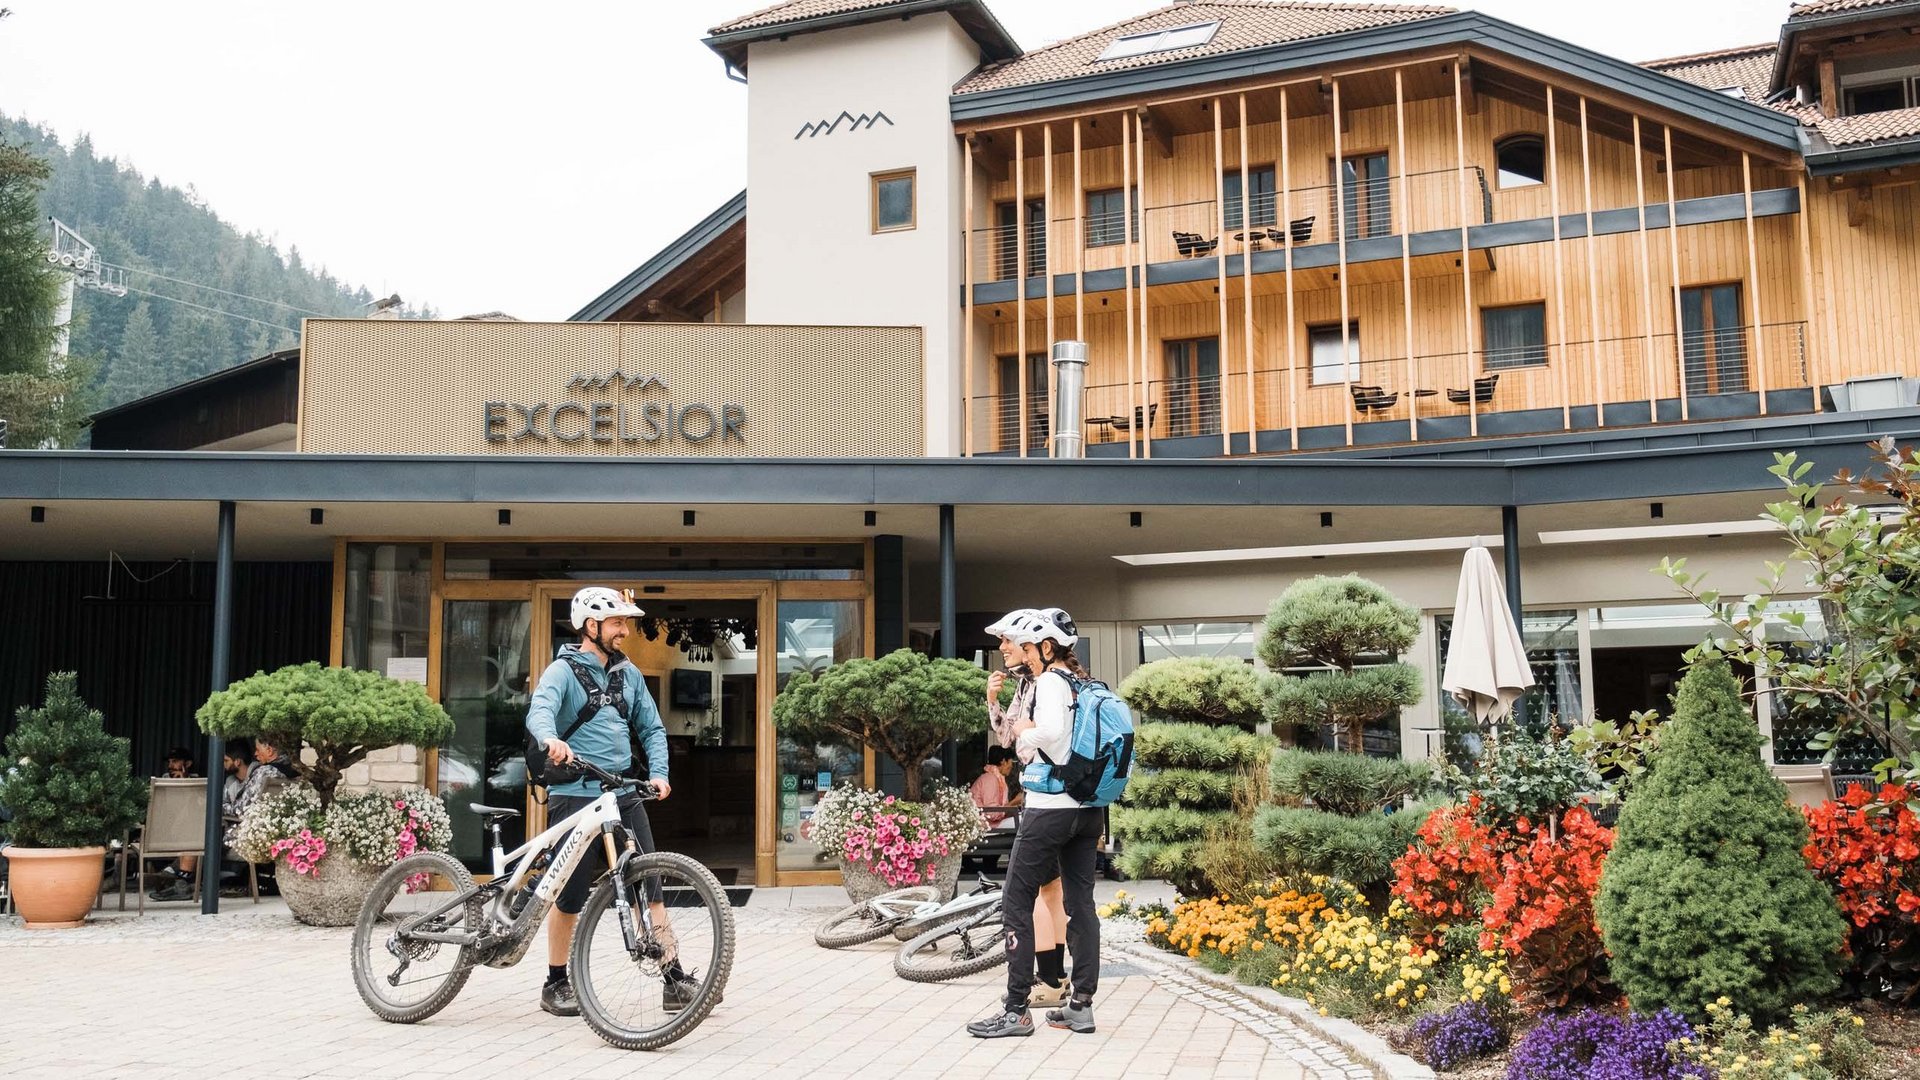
pixel 1633 315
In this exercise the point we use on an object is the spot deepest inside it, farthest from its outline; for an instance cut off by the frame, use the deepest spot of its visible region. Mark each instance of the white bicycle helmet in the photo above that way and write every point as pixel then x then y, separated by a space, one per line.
pixel 599 602
pixel 1030 626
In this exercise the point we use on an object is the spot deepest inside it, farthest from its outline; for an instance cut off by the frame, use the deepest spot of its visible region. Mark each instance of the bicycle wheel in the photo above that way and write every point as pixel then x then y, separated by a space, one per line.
pixel 953 950
pixel 957 910
pixel 645 1001
pixel 864 922
pixel 403 980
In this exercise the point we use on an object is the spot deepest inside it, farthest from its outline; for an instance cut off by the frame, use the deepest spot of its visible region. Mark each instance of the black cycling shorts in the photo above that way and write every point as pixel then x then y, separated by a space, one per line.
pixel 634 813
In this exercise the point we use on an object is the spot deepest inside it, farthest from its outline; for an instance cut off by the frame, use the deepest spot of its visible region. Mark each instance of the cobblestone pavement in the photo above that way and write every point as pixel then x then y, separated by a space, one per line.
pixel 177 995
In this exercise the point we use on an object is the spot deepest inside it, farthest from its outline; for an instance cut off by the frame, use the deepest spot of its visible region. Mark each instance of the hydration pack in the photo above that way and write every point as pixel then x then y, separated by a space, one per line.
pixel 1100 761
pixel 541 771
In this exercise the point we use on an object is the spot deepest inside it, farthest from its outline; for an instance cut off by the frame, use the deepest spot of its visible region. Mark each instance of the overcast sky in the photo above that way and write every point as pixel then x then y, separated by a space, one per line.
pixel 487 155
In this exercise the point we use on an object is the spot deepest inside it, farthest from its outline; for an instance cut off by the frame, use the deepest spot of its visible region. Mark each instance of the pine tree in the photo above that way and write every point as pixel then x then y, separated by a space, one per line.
pixel 1342 624
pixel 29 287
pixel 138 367
pixel 1706 893
pixel 68 783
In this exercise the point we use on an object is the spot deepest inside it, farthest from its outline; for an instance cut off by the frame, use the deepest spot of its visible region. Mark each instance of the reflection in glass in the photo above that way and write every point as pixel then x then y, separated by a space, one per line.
pixel 484 673
pixel 1553 653
pixel 389 588
pixel 811 636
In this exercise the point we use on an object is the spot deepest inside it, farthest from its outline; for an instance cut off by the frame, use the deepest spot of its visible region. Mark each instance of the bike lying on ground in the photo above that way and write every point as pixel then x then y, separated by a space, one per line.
pixel 906 913
pixel 969 939
pixel 413 949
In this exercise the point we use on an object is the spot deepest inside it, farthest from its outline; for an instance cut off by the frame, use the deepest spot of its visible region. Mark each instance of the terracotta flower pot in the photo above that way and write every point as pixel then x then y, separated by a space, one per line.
pixel 54 888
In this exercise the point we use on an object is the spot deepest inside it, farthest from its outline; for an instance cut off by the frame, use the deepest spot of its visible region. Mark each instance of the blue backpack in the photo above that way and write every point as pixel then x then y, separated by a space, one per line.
pixel 1098 768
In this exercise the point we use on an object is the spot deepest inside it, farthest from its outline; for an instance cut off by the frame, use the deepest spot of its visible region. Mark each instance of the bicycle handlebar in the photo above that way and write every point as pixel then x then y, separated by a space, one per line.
pixel 610 782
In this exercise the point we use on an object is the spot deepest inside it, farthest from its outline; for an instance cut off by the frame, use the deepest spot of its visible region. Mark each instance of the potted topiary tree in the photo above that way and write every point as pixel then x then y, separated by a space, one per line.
pixel 903 705
pixel 330 719
pixel 1338 623
pixel 70 788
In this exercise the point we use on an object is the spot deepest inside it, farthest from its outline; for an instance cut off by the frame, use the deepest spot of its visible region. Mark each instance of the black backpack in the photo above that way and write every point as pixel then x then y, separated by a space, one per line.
pixel 541 771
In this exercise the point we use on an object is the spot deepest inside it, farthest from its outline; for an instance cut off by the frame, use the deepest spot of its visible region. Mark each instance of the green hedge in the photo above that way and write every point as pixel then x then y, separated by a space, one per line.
pixel 1195 690
pixel 1360 850
pixel 1164 824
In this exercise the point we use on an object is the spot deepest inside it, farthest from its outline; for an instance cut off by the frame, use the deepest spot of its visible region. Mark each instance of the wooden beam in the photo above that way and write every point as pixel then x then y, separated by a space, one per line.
pixel 1220 259
pixel 1406 256
pixel 1286 220
pixel 1559 270
pixel 1156 128
pixel 1466 255
pixel 1807 327
pixel 1857 204
pixel 1136 412
pixel 1471 98
pixel 966 301
pixel 1246 293
pixel 1079 243
pixel 1829 88
pixel 1020 277
pixel 1046 268
pixel 1342 225
pixel 1593 275
pixel 1146 321
pixel 1646 268
pixel 661 309
pixel 1673 256
pixel 992 150
pixel 1754 285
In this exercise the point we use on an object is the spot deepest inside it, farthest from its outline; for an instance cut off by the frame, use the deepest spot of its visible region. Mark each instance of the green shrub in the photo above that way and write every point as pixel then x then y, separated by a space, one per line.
pixel 1341 624
pixel 1525 776
pixel 342 714
pixel 1162 824
pixel 1705 892
pixel 1172 863
pixel 67 783
pixel 1231 862
pixel 1359 850
pixel 1184 787
pixel 1195 746
pixel 1195 690
pixel 1191 782
pixel 901 704
pixel 1350 785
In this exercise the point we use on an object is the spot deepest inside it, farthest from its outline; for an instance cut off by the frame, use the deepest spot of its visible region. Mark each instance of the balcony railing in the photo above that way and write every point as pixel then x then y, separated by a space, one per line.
pixel 1543 387
pixel 1366 209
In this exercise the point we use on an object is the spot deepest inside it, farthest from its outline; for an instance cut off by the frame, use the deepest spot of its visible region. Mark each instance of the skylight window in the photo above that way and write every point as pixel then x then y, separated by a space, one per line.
pixel 1177 37
pixel 1731 91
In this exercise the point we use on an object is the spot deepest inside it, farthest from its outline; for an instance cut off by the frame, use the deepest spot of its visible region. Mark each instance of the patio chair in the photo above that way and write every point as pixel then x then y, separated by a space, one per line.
pixel 1183 242
pixel 1372 398
pixel 1121 423
pixel 1301 229
pixel 1204 247
pixel 1481 393
pixel 1807 785
pixel 176 825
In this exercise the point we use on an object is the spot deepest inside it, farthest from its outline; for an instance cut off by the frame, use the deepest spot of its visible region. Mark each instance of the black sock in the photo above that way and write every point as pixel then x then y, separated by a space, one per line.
pixel 1051 965
pixel 556 974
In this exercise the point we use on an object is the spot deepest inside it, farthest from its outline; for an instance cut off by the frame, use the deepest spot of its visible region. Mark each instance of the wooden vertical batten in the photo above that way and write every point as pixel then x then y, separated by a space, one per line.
pixel 1673 254
pixel 1146 319
pixel 1079 243
pixel 966 300
pixel 1466 253
pixel 1406 258
pixel 1759 350
pixel 1220 260
pixel 1246 295
pixel 1646 272
pixel 1046 268
pixel 1559 271
pixel 1135 413
pixel 1593 275
pixel 1286 215
pixel 1340 225
pixel 1020 278
pixel 1806 297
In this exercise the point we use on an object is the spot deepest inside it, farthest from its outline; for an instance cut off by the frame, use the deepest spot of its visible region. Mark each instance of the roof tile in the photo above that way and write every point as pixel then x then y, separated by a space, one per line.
pixel 1750 68
pixel 1834 7
pixel 1244 24
pixel 796 10
pixel 1871 127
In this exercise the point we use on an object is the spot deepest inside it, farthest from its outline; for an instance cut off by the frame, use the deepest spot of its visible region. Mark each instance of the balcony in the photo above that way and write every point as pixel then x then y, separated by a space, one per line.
pixel 1645 379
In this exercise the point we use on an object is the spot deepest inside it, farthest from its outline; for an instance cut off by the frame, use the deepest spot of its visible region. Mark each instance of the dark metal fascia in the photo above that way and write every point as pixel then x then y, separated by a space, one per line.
pixel 1886 155
pixel 1459 30
pixel 669 259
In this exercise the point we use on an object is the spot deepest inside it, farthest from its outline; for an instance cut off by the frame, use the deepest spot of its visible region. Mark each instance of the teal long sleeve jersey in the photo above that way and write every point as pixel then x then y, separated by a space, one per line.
pixel 602 740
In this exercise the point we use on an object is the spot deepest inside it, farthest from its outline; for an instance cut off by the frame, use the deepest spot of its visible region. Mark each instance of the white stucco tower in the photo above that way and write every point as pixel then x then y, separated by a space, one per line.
pixel 829 107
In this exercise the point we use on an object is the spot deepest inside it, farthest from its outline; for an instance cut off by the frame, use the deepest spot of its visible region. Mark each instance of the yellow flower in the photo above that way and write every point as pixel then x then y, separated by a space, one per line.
pixel 1120 895
pixel 1857 1022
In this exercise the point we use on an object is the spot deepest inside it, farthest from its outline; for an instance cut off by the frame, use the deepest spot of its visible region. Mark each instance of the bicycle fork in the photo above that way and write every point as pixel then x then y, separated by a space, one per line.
pixel 638 940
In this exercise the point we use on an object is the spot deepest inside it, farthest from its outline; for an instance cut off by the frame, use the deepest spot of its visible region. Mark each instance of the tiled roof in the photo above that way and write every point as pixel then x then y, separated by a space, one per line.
pixel 1835 7
pixel 1244 24
pixel 796 10
pixel 1870 127
pixel 1750 68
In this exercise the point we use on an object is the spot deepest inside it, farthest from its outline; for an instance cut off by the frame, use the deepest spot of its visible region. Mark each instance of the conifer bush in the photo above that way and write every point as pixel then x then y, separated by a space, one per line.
pixel 1706 892
pixel 1332 815
pixel 1195 690
pixel 1345 625
pixel 67 783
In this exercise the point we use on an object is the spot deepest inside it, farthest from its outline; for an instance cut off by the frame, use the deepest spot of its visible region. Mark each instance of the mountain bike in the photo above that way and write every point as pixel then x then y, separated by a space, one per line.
pixel 972 942
pixel 414 948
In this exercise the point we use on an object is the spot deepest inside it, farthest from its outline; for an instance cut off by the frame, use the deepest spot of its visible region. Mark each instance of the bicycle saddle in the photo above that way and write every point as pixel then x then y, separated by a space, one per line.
pixel 492 811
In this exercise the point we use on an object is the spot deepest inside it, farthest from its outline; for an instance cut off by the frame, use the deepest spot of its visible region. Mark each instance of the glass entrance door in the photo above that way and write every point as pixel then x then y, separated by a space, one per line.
pixel 811 636
pixel 484 682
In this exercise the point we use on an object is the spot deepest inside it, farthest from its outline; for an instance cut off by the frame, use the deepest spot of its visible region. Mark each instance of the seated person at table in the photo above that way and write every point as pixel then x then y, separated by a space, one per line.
pixel 180 763
pixel 990 787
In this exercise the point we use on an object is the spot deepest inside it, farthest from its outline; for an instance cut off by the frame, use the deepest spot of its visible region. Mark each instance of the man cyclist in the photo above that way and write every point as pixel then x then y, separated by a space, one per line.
pixel 601 616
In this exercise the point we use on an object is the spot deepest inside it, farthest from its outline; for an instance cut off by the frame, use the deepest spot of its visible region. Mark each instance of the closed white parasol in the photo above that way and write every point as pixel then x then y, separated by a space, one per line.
pixel 1486 667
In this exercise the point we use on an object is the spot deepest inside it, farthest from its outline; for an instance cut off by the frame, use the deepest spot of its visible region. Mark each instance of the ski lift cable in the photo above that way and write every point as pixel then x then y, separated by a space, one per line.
pixel 223 292
pixel 214 311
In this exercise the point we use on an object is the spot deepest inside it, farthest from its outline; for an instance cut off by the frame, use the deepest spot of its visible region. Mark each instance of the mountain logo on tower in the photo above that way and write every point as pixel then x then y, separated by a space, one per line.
pixel 814 130
pixel 585 381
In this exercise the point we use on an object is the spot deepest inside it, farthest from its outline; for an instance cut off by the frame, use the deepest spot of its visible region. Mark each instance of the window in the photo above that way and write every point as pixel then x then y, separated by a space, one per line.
pixel 1260 180
pixel 1164 641
pixel 1713 343
pixel 1323 346
pixel 1193 387
pixel 1552 639
pixel 1006 249
pixel 1366 200
pixel 1105 210
pixel 1521 161
pixel 1734 92
pixel 1153 41
pixel 1878 97
pixel 1007 414
pixel 893 201
pixel 1514 337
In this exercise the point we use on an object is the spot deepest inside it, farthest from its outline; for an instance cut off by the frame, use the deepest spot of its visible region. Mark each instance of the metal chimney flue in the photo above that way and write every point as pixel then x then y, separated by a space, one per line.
pixel 1069 399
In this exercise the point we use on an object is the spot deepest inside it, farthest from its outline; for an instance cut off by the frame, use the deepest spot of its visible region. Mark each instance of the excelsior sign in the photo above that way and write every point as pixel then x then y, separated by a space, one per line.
pixel 612 419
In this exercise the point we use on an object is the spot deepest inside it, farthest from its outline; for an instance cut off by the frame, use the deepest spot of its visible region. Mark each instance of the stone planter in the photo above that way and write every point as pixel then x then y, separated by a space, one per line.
pixel 863 884
pixel 330 897
pixel 54 888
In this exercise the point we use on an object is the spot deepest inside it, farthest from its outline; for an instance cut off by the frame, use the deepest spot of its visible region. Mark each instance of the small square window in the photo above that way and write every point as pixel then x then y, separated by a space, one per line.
pixel 1514 337
pixel 893 201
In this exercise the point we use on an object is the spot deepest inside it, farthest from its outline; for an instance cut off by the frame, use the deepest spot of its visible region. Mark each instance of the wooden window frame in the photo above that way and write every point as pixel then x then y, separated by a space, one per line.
pixel 1252 213
pixel 1336 189
pixel 1511 136
pixel 912 176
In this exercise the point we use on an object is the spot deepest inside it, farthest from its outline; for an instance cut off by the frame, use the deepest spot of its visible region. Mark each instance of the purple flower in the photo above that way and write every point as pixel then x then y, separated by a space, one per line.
pixel 1460 1034
pixel 1592 1045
